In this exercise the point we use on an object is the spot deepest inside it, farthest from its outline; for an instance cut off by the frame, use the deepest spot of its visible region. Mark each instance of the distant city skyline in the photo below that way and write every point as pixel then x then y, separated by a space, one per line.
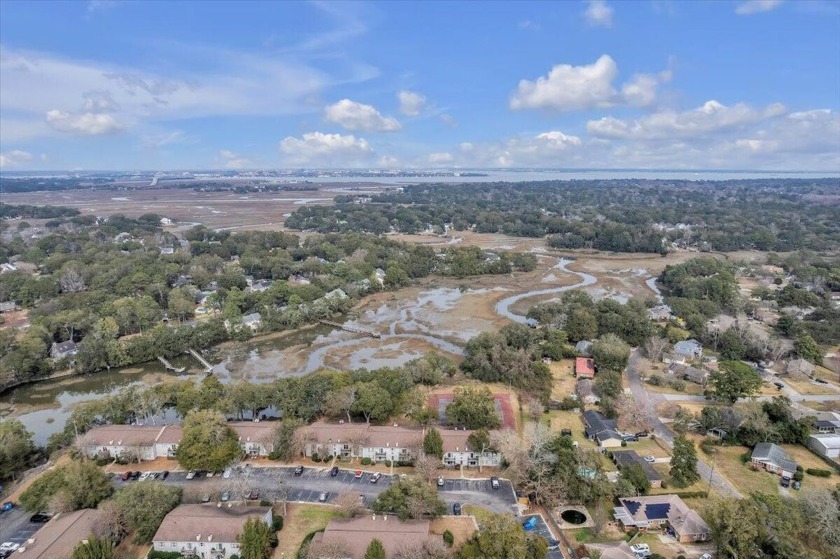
pixel 107 85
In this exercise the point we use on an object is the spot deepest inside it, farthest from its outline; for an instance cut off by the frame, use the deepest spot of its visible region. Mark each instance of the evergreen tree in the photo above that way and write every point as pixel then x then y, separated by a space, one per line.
pixel 433 443
pixel 684 462
pixel 375 550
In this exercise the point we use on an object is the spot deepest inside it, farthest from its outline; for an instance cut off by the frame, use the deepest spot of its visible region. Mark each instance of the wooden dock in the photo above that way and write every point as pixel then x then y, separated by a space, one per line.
pixel 207 366
pixel 354 329
pixel 170 367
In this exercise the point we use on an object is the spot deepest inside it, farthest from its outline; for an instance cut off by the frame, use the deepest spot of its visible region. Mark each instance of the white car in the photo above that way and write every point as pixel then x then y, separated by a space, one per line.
pixel 640 549
pixel 650 458
pixel 227 473
pixel 144 475
pixel 9 546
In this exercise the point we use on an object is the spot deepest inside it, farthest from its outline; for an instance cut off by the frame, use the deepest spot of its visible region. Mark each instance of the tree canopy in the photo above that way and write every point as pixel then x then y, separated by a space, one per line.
pixel 410 498
pixel 208 442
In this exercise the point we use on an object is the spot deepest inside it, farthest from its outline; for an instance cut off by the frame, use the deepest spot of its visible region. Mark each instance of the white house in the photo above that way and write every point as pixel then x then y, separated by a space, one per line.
pixel 826 445
pixel 252 321
pixel 456 451
pixel 206 531
pixel 773 458
pixel 360 440
pixel 689 348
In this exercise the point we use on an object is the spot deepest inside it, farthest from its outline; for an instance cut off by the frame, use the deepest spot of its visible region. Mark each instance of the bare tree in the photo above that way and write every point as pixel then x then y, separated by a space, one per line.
pixel 599 518
pixel 111 523
pixel 534 408
pixel 655 347
pixel 633 414
pixel 823 511
pixel 340 401
pixel 426 466
pixel 358 439
pixel 778 349
pixel 349 504
pixel 71 281
pixel 432 548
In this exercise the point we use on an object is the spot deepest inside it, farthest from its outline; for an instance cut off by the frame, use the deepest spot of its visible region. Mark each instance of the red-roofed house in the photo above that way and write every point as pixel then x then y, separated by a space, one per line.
pixel 584 367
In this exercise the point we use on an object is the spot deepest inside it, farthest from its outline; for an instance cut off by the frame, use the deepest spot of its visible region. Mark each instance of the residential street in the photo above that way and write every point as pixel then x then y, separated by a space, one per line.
pixel 650 401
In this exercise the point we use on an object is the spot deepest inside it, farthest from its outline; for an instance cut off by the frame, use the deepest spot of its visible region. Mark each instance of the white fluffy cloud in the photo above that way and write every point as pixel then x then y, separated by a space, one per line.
pixel 598 13
pixel 711 118
pixel 14 158
pixel 568 88
pixel 357 116
pixel 89 124
pixel 232 160
pixel 411 102
pixel 440 158
pixel 327 150
pixel 750 7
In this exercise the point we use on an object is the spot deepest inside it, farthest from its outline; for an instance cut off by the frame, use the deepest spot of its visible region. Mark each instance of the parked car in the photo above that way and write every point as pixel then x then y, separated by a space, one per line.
pixel 144 476
pixel 40 518
pixel 641 434
pixel 706 556
pixel 553 545
pixel 7 506
pixel 785 481
pixel 209 474
pixel 494 482
pixel 135 475
pixel 796 485
pixel 299 470
pixel 640 549
pixel 205 499
pixel 8 547
pixel 225 497
pixel 440 482
pixel 650 458
pixel 359 474
pixel 778 385
pixel 456 509
pixel 821 381
pixel 227 473
pixel 322 498
pixel 630 438
pixel 125 476
pixel 165 474
pixel 530 524
pixel 153 475
pixel 375 477
pixel 334 471
pixel 191 474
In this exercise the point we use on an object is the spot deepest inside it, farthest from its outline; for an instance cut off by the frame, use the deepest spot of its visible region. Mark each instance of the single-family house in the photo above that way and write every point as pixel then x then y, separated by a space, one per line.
pixel 826 445
pixel 165 222
pixel 689 373
pixel 660 313
pixel 252 321
pixel 57 538
pixel 585 389
pixel 692 349
pixel 670 357
pixel 8 306
pixel 584 367
pixel 206 531
pixel 827 425
pixel 353 535
pixel 259 286
pixel 799 368
pixel 63 350
pixel 620 551
pixel 600 429
pixel 773 458
pixel 7 267
pixel 167 250
pixel 625 458
pixel 583 347
pixel 654 512
pixel 361 440
pixel 457 451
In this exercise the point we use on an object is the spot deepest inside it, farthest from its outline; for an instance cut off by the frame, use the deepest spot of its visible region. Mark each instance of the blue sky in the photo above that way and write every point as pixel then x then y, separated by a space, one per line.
pixel 600 84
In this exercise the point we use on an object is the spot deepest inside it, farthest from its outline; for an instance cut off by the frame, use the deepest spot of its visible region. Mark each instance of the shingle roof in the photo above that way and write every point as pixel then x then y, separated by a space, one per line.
pixel 599 426
pixel 629 457
pixel 374 435
pixel 122 435
pixel 357 533
pixel 769 452
pixel 664 507
pixel 200 522
pixel 60 535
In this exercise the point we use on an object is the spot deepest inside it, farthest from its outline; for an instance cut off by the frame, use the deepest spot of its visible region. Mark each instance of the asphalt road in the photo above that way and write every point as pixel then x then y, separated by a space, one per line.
pixel 650 400
pixel 275 483
pixel 15 526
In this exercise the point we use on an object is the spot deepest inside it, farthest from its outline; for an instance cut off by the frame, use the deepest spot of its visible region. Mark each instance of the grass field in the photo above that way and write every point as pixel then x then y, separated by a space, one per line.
pixel 299 521
pixel 564 379
pixel 462 527
pixel 807 387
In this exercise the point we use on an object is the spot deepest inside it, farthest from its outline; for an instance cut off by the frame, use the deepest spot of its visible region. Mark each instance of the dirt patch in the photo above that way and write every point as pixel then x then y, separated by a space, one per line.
pixel 299 521
pixel 462 527
pixel 564 379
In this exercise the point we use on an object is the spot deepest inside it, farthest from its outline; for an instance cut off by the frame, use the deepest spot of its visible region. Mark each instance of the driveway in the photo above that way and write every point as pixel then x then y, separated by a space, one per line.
pixel 650 400
pixel 277 483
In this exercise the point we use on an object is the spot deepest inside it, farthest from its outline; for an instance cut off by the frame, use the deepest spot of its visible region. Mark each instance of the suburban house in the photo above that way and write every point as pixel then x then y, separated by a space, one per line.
pixel 583 348
pixel 63 350
pixel 586 393
pixel 361 440
pixel 692 349
pixel 584 367
pixel 600 429
pixel 825 445
pixel 58 537
pixel 689 373
pixel 799 368
pixel 624 458
pixel 206 531
pixel 456 451
pixel 827 426
pixel 773 458
pixel 147 442
pixel 671 357
pixel 167 250
pixel 660 313
pixel 354 535
pixel 259 286
pixel 654 512
pixel 252 321
pixel 620 551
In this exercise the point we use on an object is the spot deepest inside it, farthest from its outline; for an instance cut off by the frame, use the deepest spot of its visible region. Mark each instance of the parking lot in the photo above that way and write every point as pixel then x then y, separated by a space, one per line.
pixel 15 526
pixel 541 529
pixel 277 483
